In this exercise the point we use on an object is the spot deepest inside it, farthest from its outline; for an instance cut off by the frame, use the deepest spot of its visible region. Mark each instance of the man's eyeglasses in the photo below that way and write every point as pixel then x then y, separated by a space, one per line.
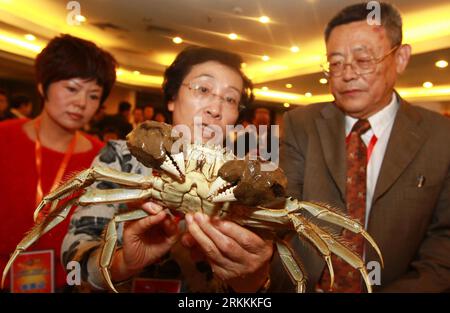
pixel 362 63
pixel 203 91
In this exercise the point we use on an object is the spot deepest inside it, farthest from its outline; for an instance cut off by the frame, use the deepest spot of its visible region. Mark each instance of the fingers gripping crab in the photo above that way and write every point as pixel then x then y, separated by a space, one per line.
pixel 201 178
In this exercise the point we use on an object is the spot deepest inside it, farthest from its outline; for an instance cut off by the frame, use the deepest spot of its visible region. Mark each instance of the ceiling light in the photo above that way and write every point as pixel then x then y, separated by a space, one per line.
pixel 177 40
pixel 441 64
pixel 10 40
pixel 265 58
pixel 323 81
pixel 286 105
pixel 427 84
pixel 308 94
pixel 80 18
pixel 265 88
pixel 264 19
pixel 288 86
pixel 30 37
pixel 233 36
pixel 295 49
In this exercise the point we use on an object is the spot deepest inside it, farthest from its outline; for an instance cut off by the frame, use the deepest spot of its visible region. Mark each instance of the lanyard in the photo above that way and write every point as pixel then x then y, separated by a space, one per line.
pixel 62 166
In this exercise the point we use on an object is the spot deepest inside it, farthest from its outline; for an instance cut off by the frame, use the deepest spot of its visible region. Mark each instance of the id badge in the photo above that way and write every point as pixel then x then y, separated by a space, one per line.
pixel 33 272
pixel 150 285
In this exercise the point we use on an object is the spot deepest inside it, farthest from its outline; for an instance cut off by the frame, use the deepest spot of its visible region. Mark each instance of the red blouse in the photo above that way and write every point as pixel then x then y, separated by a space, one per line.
pixel 18 182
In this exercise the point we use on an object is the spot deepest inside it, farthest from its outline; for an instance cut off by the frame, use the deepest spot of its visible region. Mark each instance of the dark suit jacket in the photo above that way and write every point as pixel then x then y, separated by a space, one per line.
pixel 410 224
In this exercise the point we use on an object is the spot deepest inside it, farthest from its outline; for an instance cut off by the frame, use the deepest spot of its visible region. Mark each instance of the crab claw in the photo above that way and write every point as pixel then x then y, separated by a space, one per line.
pixel 178 158
pixel 218 185
pixel 151 143
pixel 243 180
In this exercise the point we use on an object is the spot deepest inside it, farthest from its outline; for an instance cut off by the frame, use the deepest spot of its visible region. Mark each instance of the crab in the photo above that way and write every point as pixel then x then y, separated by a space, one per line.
pixel 200 177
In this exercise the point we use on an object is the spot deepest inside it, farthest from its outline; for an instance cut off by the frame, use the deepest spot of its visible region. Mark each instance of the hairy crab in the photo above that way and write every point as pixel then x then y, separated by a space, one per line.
pixel 203 178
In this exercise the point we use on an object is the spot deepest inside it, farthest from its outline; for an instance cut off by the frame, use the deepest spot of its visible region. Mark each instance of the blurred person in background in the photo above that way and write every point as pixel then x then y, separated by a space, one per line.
pixel 122 119
pixel 138 116
pixel 3 104
pixel 160 117
pixel 149 112
pixel 20 107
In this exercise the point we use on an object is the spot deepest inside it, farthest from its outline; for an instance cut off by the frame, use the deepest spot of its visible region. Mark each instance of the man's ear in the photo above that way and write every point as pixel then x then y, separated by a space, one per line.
pixel 402 57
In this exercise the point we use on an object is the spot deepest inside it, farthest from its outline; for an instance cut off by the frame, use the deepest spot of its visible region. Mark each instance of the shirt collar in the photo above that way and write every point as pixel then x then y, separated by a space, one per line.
pixel 380 121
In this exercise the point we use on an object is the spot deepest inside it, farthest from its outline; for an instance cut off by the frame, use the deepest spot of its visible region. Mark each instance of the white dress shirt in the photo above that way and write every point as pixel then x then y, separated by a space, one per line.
pixel 381 125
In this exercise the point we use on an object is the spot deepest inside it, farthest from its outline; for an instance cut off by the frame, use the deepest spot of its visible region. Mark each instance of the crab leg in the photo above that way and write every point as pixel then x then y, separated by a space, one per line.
pixel 303 227
pixel 109 247
pixel 324 242
pixel 292 266
pixel 345 253
pixel 118 195
pixel 55 217
pixel 89 176
pixel 327 213
pixel 81 180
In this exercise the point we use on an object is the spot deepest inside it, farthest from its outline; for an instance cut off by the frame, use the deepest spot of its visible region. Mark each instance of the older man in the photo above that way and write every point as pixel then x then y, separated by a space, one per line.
pixel 375 156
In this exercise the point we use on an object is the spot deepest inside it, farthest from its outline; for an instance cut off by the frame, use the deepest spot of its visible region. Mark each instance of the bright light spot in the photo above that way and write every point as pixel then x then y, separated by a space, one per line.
pixel 441 64
pixel 286 105
pixel 323 81
pixel 427 84
pixel 30 37
pixel 177 40
pixel 243 65
pixel 20 43
pixel 80 18
pixel 233 36
pixel 308 94
pixel 136 72
pixel 264 19
pixel 265 58
pixel 295 49
pixel 288 86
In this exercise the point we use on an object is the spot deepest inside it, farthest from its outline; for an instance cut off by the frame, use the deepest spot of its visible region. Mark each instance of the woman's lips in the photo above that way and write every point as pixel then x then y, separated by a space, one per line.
pixel 75 116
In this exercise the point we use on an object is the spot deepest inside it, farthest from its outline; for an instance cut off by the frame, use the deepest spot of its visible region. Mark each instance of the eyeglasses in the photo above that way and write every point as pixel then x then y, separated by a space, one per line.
pixel 203 91
pixel 362 63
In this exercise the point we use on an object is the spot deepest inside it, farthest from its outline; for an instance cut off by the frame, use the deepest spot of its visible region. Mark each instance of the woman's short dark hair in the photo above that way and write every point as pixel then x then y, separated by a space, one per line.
pixel 191 56
pixel 67 57
pixel 390 19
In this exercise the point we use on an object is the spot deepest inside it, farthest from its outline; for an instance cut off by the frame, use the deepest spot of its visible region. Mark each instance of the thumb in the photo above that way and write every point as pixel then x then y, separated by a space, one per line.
pixel 144 224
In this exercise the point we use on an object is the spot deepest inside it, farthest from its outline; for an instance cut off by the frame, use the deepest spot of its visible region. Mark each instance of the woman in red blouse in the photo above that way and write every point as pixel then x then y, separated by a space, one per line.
pixel 74 77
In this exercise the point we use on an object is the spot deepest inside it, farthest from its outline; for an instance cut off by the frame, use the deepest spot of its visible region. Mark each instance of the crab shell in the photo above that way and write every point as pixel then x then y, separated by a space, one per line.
pixel 201 175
